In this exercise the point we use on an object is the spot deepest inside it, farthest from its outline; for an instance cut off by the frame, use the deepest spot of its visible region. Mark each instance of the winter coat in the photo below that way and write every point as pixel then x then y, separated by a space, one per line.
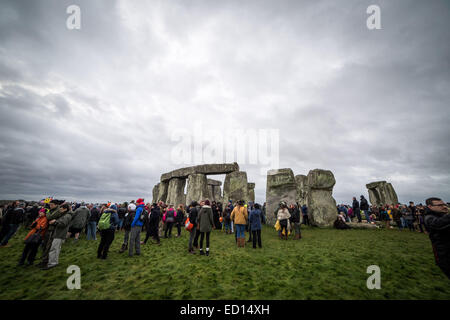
pixel 18 216
pixel 154 216
pixel 121 212
pixel 295 217
pixel 180 216
pixel 128 220
pixel 41 225
pixel 193 214
pixel 80 217
pixel 54 214
pixel 205 219
pixel 355 205
pixel 364 204
pixel 255 219
pixel 62 225
pixel 239 215
pixel 94 215
pixel 438 226
pixel 136 221
pixel 283 214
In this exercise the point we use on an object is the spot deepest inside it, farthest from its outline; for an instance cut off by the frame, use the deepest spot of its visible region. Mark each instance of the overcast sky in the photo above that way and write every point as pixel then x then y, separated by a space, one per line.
pixel 89 114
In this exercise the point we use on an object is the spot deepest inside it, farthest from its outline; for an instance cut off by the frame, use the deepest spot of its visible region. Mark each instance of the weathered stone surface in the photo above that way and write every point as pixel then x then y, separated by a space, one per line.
pixel 302 188
pixel 251 191
pixel 162 191
pixel 212 182
pixel 175 192
pixel 281 186
pixel 217 194
pixel 222 168
pixel 235 187
pixel 155 192
pixel 381 193
pixel 321 204
pixel 356 225
pixel 197 188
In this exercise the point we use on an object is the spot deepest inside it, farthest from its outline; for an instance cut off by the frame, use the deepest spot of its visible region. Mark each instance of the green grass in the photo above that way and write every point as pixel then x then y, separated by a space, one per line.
pixel 325 264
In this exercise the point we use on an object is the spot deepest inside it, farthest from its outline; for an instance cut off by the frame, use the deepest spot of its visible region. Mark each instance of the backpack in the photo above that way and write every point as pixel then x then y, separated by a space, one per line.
pixel 144 214
pixel 169 216
pixel 105 221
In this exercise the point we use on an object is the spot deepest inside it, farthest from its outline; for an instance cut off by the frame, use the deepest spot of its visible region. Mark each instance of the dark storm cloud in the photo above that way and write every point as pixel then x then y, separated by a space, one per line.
pixel 88 114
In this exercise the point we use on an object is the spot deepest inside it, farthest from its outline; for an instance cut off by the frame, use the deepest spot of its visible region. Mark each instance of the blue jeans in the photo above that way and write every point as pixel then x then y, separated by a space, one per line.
pixel 91 230
pixel 366 213
pixel 240 229
pixel 403 222
pixel 120 224
pixel 12 229
pixel 228 226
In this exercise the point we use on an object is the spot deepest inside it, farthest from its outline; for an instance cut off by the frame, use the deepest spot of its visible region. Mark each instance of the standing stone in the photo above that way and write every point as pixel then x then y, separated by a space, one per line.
pixel 302 188
pixel 251 191
pixel 175 193
pixel 155 193
pixel 381 193
pixel 162 190
pixel 235 187
pixel 281 186
pixel 321 204
pixel 197 188
pixel 217 194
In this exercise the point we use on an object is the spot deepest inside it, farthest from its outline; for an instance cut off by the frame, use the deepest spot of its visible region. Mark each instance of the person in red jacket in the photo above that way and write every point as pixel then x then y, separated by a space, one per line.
pixel 32 242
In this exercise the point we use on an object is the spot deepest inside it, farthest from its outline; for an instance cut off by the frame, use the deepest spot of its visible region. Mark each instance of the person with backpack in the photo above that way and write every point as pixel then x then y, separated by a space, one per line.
pixel 193 213
pixel 61 226
pixel 128 220
pixel 169 220
pixel 179 220
pixel 205 223
pixel 107 225
pixel 34 238
pixel 93 219
pixel 136 227
pixel 254 219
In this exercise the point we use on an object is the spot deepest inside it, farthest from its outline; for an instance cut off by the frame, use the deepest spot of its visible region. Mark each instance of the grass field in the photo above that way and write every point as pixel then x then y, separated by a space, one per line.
pixel 325 264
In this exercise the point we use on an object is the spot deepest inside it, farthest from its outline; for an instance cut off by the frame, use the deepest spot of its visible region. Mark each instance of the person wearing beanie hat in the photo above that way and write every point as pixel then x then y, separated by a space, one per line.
pixel 136 228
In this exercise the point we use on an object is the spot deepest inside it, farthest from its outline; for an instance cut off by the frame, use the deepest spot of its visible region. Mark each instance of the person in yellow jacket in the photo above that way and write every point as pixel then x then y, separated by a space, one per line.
pixel 240 216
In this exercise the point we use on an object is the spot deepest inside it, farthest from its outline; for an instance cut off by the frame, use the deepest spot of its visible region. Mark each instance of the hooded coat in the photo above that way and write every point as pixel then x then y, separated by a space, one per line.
pixel 205 219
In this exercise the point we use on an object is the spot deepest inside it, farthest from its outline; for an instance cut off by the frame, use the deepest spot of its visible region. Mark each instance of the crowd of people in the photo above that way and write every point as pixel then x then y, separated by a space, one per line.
pixel 52 222
pixel 402 216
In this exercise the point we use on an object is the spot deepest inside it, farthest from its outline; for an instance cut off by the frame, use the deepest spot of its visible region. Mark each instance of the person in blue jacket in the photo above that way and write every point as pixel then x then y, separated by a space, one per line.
pixel 255 225
pixel 136 227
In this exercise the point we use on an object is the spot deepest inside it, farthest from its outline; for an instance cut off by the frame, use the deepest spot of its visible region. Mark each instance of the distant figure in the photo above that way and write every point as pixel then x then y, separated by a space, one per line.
pixel 255 218
pixel 205 223
pixel 437 223
pixel 305 215
pixel 364 205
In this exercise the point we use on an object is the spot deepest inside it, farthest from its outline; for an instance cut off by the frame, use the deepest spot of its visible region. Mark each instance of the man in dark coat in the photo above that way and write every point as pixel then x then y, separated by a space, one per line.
pixel 356 210
pixel 364 205
pixel 437 223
